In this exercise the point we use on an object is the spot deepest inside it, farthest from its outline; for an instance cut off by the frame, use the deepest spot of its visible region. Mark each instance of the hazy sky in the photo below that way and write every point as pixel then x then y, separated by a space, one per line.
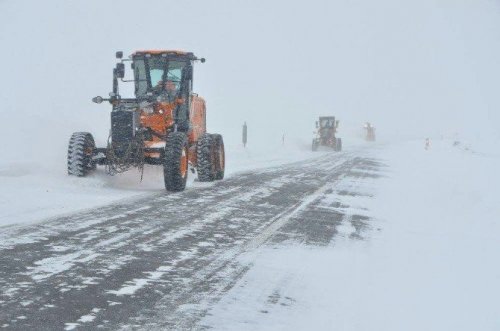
pixel 411 67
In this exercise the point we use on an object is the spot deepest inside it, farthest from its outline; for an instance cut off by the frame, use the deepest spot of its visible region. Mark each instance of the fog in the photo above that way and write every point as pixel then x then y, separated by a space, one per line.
pixel 413 68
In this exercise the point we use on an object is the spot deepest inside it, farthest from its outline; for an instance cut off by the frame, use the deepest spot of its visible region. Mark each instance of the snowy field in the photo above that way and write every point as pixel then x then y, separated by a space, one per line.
pixel 428 261
pixel 32 192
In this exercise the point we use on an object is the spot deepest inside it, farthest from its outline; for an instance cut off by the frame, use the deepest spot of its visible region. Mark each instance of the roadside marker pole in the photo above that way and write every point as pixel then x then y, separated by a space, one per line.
pixel 244 135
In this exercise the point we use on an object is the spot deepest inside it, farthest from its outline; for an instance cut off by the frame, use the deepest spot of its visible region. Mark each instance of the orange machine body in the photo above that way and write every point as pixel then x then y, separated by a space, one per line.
pixel 161 119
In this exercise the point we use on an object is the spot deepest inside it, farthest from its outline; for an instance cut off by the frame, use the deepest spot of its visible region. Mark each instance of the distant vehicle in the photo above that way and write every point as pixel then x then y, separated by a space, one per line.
pixel 370 132
pixel 325 135
pixel 165 124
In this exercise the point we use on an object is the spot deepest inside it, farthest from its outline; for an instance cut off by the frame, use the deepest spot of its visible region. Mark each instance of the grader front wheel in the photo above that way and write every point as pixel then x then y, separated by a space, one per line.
pixel 80 151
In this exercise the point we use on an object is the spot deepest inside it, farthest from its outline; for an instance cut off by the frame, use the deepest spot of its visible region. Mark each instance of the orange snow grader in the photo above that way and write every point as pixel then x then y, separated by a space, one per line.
pixel 326 129
pixel 164 124
pixel 370 132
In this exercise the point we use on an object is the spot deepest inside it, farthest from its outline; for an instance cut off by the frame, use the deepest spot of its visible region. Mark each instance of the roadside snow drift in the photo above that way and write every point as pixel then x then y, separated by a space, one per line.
pixel 427 262
pixel 33 192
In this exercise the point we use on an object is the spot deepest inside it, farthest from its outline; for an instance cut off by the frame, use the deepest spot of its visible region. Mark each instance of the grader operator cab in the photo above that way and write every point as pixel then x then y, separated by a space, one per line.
pixel 165 124
pixel 325 134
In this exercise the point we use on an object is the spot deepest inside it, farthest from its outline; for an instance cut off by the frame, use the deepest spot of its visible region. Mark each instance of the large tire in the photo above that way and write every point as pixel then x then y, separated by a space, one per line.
pixel 220 165
pixel 175 163
pixel 206 158
pixel 314 145
pixel 338 145
pixel 80 151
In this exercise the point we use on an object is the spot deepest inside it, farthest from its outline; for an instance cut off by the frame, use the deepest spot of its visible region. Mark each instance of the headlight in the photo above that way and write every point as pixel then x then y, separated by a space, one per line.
pixel 148 109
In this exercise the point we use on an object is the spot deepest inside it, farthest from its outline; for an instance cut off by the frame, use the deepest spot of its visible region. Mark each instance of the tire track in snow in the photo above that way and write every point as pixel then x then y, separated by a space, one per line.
pixel 127 261
pixel 328 219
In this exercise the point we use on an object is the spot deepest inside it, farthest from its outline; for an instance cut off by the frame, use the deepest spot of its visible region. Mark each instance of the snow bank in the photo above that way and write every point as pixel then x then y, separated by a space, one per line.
pixel 32 192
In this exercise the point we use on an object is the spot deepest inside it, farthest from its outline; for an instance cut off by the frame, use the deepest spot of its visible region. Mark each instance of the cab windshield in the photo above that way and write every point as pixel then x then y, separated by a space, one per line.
pixel 149 73
pixel 327 123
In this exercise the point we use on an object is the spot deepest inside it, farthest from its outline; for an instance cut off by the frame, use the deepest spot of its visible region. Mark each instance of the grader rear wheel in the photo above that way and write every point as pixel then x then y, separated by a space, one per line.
pixel 220 157
pixel 206 158
pixel 338 145
pixel 315 144
pixel 175 163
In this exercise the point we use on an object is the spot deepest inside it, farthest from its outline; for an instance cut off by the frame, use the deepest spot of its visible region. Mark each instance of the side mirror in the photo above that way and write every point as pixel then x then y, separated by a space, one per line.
pixel 202 60
pixel 119 54
pixel 97 99
pixel 120 70
pixel 337 124
pixel 317 124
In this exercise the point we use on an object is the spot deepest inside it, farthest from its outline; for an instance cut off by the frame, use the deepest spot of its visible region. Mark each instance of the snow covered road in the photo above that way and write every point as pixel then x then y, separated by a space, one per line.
pixel 162 261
